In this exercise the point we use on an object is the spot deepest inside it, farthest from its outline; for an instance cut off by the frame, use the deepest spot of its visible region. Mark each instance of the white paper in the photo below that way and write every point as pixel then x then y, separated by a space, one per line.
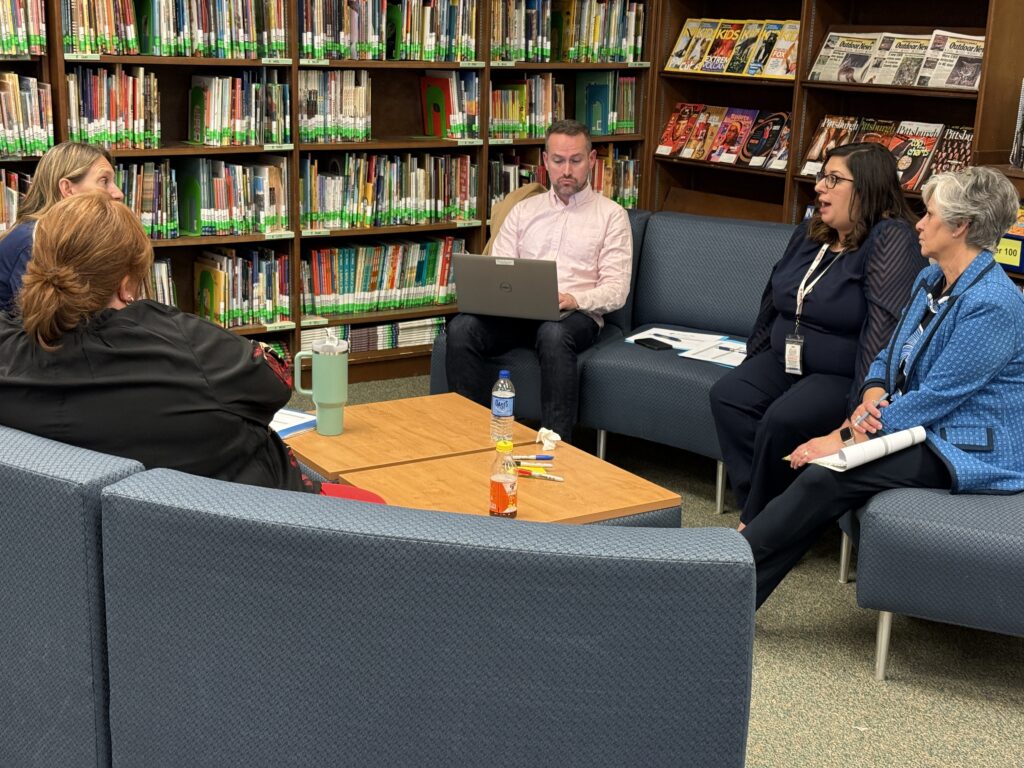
pixel 727 352
pixel 677 339
pixel 287 422
pixel 856 455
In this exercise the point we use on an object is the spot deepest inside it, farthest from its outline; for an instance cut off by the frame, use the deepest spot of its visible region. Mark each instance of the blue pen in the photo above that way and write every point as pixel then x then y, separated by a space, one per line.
pixel 857 422
pixel 534 457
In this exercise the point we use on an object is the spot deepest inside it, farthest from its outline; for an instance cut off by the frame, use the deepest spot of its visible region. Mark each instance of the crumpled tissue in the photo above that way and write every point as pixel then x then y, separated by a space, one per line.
pixel 548 438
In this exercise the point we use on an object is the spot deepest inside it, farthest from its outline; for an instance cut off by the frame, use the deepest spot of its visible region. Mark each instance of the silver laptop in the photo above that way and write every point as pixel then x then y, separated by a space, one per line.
pixel 521 288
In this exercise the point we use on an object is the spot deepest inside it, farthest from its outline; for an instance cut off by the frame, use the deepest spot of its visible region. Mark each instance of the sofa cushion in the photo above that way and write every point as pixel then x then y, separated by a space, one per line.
pixel 53 686
pixel 955 558
pixel 705 272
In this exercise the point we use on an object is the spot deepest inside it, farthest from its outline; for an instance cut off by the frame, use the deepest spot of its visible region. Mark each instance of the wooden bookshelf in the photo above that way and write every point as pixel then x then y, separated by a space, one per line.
pixel 712 189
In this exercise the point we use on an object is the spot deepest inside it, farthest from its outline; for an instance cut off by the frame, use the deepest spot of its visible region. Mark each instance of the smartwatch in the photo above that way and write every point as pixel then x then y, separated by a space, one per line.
pixel 846 435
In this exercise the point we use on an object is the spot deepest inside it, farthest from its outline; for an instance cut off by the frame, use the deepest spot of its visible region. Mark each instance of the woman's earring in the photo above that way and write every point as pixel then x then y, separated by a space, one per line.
pixel 129 300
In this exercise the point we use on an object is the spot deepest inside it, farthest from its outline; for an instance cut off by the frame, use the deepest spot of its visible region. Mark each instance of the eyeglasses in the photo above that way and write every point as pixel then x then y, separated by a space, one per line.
pixel 830 179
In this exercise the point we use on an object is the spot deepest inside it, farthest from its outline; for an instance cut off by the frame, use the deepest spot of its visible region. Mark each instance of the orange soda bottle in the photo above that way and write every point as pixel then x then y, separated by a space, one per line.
pixel 504 481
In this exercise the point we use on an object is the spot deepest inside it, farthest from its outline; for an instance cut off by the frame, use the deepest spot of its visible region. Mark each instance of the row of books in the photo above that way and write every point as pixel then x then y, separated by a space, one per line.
pixel 413 30
pixel 151 190
pixel 525 108
pixel 360 190
pixel 920 149
pixel 164 289
pixel 26 115
pixel 210 28
pixel 371 338
pixel 249 109
pixel 606 102
pixel 941 59
pixel 236 287
pixel 378 276
pixel 334 105
pixel 451 104
pixel 731 135
pixel 566 30
pixel 616 176
pixel 509 172
pixel 13 184
pixel 119 109
pixel 222 198
pixel 22 28
pixel 751 48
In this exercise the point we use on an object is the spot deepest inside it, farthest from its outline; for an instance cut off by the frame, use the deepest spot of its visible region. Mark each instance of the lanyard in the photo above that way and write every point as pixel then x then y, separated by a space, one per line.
pixel 805 290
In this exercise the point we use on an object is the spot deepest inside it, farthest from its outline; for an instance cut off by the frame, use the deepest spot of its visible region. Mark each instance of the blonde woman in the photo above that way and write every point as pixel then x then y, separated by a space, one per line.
pixel 67 169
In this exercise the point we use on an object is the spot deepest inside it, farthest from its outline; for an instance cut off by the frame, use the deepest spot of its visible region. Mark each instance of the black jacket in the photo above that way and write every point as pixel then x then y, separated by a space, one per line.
pixel 154 384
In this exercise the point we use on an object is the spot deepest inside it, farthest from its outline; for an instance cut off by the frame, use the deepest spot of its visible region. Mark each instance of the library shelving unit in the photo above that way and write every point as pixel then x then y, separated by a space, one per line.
pixel 710 189
pixel 396 130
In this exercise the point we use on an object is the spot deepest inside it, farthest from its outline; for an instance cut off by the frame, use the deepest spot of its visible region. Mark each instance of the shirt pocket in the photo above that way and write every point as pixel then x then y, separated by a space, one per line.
pixel 969 438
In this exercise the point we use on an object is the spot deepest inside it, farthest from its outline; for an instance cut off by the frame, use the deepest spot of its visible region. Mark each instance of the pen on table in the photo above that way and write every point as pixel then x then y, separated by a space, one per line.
pixel 544 464
pixel 665 336
pixel 534 457
pixel 539 476
pixel 860 419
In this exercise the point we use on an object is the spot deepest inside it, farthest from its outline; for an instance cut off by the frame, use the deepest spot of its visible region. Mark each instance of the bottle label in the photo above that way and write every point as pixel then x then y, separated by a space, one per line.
pixel 504 495
pixel 502 406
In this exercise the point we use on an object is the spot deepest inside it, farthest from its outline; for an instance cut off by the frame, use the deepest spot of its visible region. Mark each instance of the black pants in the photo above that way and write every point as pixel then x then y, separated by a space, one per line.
pixel 472 339
pixel 761 414
pixel 793 522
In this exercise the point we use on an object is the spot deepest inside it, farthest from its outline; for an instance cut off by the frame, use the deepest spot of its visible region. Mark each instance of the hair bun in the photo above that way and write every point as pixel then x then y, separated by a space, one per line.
pixel 60 278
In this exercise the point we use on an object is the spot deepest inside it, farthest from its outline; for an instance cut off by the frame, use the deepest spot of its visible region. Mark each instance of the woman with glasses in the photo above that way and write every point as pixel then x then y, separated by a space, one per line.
pixel 831 303
pixel 954 365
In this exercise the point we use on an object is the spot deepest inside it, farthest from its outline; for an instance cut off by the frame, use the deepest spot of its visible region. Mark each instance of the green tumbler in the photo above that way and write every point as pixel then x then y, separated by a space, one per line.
pixel 330 389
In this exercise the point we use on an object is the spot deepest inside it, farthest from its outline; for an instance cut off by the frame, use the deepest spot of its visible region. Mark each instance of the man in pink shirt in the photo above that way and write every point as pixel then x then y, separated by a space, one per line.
pixel 589 238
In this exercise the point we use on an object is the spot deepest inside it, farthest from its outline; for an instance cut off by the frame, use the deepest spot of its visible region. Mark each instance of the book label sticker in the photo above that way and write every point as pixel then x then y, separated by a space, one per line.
pixel 286 235
pixel 471 64
pixel 313 62
pixel 638 65
pixel 274 61
pixel 499 141
pixel 81 57
pixel 281 325
pixel 467 223
pixel 278 147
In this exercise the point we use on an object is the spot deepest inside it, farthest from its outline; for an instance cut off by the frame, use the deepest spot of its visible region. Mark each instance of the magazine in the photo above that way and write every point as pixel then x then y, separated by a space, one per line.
pixel 845 57
pixel 678 128
pixel 722 47
pixel 778 158
pixel 853 456
pixel 782 60
pixel 953 61
pixel 686 35
pixel 732 135
pixel 764 47
pixel 833 131
pixel 953 151
pixel 876 131
pixel 912 146
pixel 698 49
pixel 898 59
pixel 763 136
pixel 704 130
pixel 745 45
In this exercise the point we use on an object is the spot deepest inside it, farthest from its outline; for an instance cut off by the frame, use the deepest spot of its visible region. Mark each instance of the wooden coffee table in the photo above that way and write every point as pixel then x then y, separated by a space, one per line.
pixel 434 453
pixel 401 431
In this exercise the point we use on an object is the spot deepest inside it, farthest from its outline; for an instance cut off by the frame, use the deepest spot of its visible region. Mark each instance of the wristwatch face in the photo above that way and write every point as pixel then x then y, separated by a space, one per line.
pixel 846 435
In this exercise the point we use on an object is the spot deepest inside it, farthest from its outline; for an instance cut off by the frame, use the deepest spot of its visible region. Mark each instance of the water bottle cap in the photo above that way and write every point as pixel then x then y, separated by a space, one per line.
pixel 502 374
pixel 504 446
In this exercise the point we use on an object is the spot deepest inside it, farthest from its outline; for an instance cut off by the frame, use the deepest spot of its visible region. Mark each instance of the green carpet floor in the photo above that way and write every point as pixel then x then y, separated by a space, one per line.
pixel 954 697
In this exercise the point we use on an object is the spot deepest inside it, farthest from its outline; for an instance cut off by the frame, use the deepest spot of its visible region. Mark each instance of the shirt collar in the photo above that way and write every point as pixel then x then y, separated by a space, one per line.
pixel 581 197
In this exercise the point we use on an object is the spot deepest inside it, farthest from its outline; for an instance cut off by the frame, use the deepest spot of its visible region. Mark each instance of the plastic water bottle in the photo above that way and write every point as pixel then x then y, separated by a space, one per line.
pixel 504 482
pixel 503 400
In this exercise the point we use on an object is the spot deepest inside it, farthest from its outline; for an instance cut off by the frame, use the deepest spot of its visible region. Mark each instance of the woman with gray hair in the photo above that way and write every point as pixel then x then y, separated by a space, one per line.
pixel 954 365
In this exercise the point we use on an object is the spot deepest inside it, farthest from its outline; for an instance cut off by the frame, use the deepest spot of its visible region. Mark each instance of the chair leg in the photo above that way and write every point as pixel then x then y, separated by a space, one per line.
pixel 602 442
pixel 882 644
pixel 720 488
pixel 845 553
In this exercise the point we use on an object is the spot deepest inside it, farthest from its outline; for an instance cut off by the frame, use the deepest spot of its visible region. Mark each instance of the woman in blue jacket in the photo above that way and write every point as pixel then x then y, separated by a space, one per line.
pixel 954 365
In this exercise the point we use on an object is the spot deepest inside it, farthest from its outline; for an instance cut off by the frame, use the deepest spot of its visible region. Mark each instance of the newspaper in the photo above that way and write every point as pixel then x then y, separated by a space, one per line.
pixel 870 450
pixel 898 59
pixel 953 61
pixel 845 57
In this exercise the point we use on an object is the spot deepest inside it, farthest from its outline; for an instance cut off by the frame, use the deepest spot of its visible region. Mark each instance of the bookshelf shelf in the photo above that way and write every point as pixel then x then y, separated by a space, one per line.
pixel 212 240
pixel 405 229
pixel 171 61
pixel 868 88
pixel 186 149
pixel 386 316
pixel 377 64
pixel 568 66
pixel 723 167
pixel 625 138
pixel 697 77
pixel 415 143
pixel 260 330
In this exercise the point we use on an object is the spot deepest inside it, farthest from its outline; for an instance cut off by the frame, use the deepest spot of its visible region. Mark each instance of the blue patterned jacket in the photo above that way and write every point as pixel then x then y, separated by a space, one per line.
pixel 965 377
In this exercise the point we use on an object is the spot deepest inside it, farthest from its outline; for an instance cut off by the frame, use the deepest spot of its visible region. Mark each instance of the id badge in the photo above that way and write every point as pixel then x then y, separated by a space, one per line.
pixel 794 354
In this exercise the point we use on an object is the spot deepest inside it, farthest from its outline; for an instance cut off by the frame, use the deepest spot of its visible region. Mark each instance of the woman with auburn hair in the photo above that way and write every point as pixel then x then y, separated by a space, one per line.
pixel 89 361
pixel 67 169
pixel 831 303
